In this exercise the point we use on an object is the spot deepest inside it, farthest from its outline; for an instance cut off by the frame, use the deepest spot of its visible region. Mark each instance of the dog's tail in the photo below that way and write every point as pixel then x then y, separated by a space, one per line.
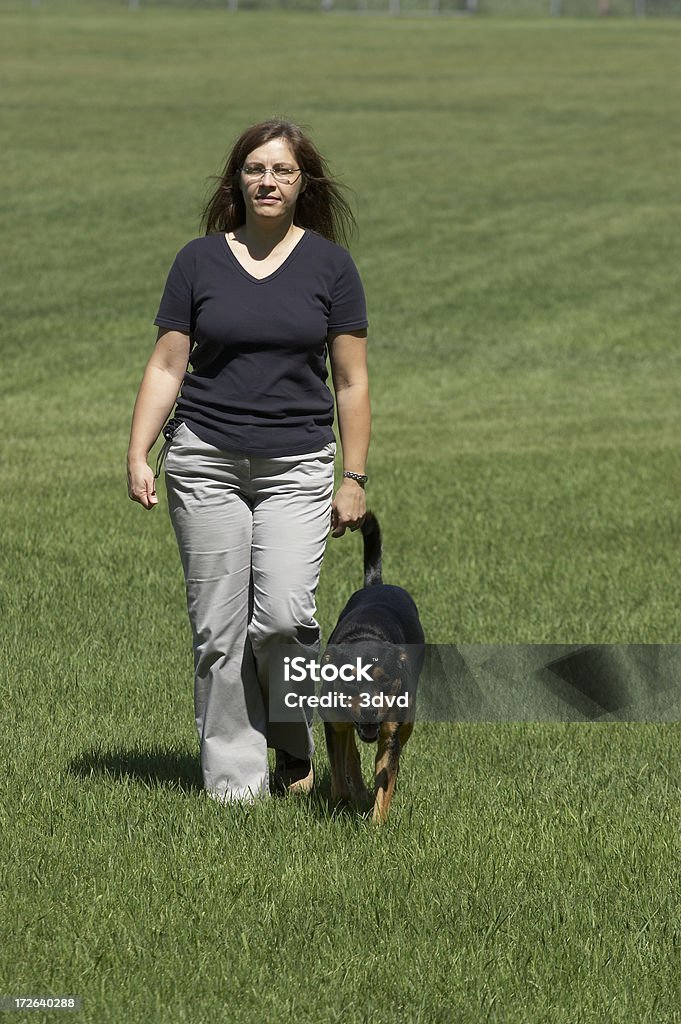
pixel 373 567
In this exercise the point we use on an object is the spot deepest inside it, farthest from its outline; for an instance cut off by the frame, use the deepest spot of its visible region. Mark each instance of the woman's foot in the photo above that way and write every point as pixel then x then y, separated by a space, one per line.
pixel 292 774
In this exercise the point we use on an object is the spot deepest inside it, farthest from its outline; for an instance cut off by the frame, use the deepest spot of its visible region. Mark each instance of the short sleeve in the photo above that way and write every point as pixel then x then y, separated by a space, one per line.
pixel 348 303
pixel 175 310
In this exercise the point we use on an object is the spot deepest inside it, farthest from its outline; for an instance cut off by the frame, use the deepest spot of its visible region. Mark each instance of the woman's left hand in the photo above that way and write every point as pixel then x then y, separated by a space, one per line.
pixel 348 508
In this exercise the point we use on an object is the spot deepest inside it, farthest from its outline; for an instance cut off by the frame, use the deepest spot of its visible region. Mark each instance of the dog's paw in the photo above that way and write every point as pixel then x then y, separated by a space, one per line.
pixel 361 798
pixel 341 794
pixel 379 814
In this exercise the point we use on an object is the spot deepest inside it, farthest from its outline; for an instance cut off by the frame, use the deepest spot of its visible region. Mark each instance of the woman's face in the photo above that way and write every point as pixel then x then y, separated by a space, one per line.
pixel 265 195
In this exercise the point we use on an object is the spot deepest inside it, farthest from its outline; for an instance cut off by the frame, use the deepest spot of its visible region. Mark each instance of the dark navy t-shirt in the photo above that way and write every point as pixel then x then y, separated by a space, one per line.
pixel 257 378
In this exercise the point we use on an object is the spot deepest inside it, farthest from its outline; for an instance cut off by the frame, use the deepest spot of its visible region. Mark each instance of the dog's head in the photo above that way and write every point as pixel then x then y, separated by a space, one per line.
pixel 366 683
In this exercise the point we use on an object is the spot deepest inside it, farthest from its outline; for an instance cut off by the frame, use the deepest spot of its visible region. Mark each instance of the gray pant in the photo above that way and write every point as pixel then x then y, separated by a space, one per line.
pixel 247 523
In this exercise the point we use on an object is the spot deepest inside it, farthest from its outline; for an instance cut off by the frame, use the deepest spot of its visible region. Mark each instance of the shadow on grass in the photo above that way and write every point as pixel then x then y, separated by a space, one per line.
pixel 321 805
pixel 156 766
pixel 172 769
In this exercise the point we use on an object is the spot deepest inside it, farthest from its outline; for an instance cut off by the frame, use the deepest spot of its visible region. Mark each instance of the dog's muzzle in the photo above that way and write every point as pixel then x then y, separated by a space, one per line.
pixel 368 731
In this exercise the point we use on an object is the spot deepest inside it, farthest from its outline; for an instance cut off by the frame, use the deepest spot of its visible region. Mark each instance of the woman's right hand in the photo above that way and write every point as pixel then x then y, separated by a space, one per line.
pixel 141 483
pixel 155 399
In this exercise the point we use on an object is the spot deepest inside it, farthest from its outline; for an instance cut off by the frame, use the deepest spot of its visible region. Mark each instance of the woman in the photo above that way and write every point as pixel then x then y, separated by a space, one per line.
pixel 255 305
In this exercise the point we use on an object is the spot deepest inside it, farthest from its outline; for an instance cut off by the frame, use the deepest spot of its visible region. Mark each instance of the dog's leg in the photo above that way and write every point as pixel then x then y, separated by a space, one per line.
pixel 387 766
pixel 405 732
pixel 354 766
pixel 406 729
pixel 337 738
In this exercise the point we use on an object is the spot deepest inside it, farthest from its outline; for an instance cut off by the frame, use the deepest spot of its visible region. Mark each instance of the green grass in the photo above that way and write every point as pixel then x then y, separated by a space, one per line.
pixel 516 185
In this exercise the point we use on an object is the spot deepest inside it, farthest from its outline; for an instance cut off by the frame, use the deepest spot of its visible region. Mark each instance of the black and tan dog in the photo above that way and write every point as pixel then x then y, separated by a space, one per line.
pixel 379 644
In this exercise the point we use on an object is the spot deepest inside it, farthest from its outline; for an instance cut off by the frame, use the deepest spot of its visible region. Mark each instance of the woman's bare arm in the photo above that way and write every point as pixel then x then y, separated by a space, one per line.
pixel 348 356
pixel 155 399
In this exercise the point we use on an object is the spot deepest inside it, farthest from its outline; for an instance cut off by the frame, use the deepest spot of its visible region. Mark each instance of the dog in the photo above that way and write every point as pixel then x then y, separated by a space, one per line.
pixel 378 643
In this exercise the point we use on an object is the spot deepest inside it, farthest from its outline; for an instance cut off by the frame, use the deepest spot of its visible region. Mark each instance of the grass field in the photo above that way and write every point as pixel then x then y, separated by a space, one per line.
pixel 516 186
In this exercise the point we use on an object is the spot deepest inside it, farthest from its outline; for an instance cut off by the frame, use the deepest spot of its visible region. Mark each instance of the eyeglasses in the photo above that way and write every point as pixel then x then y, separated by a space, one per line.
pixel 282 173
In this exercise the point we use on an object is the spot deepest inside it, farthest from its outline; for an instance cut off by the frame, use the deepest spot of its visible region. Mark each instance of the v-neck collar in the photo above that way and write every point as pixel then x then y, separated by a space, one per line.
pixel 261 280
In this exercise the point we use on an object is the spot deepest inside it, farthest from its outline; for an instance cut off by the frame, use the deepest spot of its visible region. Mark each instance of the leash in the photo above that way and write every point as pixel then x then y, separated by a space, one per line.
pixel 168 433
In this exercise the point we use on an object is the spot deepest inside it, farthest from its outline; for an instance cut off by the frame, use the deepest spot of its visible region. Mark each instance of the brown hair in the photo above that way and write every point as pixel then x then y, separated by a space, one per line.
pixel 320 205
